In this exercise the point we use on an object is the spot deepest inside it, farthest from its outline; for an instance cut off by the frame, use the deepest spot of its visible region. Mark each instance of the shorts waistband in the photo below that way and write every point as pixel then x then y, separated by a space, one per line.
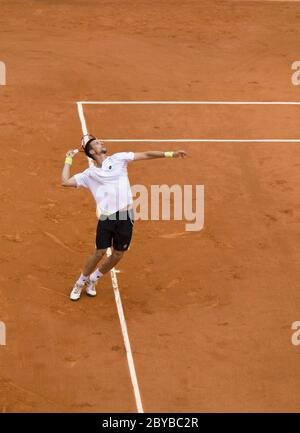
pixel 119 215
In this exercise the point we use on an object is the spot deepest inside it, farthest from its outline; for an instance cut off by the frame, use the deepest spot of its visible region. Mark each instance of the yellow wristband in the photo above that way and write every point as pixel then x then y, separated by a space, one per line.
pixel 69 160
pixel 169 154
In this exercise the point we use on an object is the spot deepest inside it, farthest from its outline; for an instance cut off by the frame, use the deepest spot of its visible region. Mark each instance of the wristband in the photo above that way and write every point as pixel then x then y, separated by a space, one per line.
pixel 169 154
pixel 69 160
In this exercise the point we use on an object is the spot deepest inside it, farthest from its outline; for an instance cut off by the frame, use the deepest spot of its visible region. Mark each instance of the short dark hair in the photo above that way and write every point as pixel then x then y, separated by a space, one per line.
pixel 88 148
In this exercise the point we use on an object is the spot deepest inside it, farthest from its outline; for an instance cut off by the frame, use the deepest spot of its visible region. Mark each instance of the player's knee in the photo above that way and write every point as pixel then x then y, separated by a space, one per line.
pixel 99 254
pixel 118 254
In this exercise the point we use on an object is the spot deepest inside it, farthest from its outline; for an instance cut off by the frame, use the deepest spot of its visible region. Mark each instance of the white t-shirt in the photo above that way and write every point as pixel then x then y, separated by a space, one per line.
pixel 109 184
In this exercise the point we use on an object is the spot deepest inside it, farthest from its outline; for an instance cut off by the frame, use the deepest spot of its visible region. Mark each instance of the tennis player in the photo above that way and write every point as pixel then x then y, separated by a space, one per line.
pixel 107 179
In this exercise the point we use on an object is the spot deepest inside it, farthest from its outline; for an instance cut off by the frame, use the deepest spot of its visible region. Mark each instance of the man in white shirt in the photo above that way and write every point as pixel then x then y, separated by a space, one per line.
pixel 107 179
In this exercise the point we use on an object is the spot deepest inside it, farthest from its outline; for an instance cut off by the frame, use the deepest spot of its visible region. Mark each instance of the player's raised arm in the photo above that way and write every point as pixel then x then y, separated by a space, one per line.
pixel 66 179
pixel 153 154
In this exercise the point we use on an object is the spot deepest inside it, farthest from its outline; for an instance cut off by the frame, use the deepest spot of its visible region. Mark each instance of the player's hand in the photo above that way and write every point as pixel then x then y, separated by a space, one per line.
pixel 179 154
pixel 72 153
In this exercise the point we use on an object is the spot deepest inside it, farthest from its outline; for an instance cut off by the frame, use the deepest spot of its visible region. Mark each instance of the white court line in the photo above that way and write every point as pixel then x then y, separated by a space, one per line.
pixel 82 118
pixel 197 140
pixel 119 304
pixel 191 102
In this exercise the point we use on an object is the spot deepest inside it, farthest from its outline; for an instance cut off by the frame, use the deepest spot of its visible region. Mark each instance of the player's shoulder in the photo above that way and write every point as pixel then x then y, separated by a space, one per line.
pixel 123 156
pixel 118 155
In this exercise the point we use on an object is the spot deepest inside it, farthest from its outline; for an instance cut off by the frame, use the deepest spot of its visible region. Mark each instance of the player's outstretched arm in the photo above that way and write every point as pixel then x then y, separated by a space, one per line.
pixel 66 179
pixel 153 154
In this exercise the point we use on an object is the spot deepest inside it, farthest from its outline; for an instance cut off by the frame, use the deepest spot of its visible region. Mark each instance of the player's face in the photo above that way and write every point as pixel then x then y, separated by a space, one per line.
pixel 99 147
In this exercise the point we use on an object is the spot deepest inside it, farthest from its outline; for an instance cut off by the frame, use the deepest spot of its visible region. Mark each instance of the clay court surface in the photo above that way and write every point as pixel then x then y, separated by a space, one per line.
pixel 209 313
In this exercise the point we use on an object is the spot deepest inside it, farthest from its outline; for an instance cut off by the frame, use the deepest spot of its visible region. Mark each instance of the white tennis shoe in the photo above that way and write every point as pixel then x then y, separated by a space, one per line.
pixel 76 292
pixel 91 288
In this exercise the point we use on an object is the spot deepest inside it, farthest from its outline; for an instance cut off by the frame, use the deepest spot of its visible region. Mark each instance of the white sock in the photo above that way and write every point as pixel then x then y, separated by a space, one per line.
pixel 95 275
pixel 82 279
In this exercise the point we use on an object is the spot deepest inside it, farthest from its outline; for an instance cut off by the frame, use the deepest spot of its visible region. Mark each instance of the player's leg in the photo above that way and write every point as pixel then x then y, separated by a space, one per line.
pixel 109 262
pixel 103 241
pixel 92 262
pixel 105 266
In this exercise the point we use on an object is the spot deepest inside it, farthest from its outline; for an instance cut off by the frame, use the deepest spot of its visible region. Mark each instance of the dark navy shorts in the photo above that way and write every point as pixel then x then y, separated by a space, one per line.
pixel 115 230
